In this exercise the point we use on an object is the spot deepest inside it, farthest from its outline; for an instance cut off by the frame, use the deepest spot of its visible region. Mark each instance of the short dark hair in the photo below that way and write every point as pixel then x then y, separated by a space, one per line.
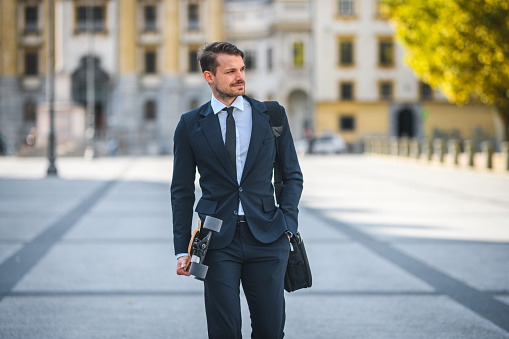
pixel 207 55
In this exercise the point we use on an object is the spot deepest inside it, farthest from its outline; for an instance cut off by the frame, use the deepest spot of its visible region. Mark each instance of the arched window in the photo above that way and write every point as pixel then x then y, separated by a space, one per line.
pixel 29 114
pixel 150 110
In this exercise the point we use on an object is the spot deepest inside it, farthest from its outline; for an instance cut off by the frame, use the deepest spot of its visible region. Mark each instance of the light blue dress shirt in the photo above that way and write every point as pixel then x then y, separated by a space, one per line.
pixel 242 113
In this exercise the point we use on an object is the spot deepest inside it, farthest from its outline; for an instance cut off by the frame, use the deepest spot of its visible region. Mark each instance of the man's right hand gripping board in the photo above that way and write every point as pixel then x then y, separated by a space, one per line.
pixel 198 247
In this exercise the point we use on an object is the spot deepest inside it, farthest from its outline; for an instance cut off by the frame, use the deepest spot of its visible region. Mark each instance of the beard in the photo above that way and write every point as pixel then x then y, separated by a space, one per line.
pixel 230 92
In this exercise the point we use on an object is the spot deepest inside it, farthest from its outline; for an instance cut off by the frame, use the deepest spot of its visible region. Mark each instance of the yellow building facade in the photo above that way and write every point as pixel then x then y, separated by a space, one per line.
pixel 435 119
pixel 139 56
pixel 363 88
pixel 334 65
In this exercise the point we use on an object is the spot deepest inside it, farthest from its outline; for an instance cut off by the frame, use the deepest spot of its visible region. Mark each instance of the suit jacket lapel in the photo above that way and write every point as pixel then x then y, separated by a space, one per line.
pixel 260 122
pixel 212 130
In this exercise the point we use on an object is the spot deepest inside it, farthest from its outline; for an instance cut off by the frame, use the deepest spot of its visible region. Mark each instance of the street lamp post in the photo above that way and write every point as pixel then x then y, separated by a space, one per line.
pixel 90 115
pixel 52 170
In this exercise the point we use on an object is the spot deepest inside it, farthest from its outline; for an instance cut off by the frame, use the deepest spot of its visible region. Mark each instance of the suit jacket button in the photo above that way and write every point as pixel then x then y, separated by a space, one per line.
pixel 235 212
pixel 240 189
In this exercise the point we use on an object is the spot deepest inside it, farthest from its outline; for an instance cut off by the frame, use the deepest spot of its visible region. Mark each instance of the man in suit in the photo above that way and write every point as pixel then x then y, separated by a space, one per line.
pixel 230 141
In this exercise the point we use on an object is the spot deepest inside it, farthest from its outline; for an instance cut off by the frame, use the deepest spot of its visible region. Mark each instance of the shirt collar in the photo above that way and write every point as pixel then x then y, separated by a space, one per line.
pixel 218 106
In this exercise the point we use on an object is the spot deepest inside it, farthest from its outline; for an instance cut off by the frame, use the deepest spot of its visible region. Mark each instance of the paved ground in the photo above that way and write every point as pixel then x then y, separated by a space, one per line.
pixel 397 251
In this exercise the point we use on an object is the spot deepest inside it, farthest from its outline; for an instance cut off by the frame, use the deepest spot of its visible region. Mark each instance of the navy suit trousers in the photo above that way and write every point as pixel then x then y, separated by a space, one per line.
pixel 261 269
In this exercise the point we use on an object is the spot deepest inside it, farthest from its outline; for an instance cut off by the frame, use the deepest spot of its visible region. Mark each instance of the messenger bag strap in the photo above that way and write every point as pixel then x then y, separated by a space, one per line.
pixel 276 123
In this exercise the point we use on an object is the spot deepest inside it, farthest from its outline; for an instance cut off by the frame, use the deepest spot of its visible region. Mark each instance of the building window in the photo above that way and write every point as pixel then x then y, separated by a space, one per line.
pixel 150 110
pixel 31 19
pixel 346 7
pixel 193 61
pixel 150 61
pixel 386 53
pixel 31 63
pixel 269 59
pixel 193 17
pixel 346 57
pixel 150 18
pixel 298 54
pixel 250 60
pixel 29 113
pixel 96 14
pixel 346 123
pixel 346 91
pixel 386 90
pixel 425 92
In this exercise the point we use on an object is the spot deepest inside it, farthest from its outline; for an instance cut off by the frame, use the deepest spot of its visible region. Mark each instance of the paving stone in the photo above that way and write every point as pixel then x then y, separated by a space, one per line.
pixel 373 229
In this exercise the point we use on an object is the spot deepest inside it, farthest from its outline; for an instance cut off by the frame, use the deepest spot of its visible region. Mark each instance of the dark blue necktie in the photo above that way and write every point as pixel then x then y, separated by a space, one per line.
pixel 230 138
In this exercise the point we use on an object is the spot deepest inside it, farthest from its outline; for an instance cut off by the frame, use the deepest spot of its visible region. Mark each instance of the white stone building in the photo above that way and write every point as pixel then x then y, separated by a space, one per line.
pixel 276 38
pixel 333 64
pixel 362 86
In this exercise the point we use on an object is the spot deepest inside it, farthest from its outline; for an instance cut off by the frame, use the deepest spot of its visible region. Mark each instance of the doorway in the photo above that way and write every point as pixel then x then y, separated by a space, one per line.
pixel 406 123
pixel 100 89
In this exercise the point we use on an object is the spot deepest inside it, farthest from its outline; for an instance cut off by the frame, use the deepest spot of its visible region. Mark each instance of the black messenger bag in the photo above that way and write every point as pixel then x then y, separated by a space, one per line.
pixel 298 271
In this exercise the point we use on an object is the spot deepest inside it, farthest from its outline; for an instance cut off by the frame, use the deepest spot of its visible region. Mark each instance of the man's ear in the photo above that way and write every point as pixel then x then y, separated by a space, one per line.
pixel 209 77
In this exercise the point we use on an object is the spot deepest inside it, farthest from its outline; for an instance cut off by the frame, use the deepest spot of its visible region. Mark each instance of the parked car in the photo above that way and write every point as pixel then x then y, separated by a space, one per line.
pixel 327 143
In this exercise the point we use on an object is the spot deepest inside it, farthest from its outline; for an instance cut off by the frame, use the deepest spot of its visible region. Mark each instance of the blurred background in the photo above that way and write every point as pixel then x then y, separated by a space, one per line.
pixel 398 250
pixel 125 70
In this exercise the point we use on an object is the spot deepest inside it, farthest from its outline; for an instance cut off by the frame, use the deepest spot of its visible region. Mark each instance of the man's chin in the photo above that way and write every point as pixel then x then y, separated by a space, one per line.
pixel 238 93
pixel 239 90
pixel 233 93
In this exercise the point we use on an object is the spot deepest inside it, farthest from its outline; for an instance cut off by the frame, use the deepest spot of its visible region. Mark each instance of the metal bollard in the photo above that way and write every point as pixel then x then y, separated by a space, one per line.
pixel 386 147
pixel 415 147
pixel 488 150
pixel 370 145
pixel 470 149
pixel 428 149
pixel 404 147
pixel 367 145
pixel 453 147
pixel 395 146
pixel 505 151
pixel 439 149
pixel 377 146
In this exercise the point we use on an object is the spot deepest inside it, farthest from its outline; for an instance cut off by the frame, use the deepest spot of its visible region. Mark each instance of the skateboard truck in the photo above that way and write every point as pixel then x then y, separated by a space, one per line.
pixel 198 247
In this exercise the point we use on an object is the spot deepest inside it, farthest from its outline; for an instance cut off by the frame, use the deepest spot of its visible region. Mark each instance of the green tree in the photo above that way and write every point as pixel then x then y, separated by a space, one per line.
pixel 458 46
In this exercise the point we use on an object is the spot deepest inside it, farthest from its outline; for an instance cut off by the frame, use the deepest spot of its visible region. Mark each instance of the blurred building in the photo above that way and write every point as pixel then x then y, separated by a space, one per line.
pixel 363 88
pixel 276 39
pixel 140 55
pixel 333 64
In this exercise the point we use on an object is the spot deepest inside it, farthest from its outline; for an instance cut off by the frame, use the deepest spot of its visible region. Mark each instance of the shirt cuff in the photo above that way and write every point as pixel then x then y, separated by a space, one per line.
pixel 182 255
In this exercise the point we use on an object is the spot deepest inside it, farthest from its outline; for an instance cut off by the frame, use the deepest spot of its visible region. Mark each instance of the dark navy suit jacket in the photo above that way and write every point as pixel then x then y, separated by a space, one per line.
pixel 198 144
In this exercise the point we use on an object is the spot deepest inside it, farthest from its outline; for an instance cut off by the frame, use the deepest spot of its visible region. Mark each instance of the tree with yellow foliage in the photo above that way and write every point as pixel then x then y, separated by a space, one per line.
pixel 458 46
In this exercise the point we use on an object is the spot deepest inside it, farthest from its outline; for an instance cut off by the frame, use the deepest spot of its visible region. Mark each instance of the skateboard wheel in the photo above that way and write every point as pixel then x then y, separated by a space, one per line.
pixel 199 271
pixel 213 224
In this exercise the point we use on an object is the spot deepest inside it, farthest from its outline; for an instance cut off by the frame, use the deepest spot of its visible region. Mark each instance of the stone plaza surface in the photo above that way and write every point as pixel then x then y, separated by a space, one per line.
pixel 397 251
